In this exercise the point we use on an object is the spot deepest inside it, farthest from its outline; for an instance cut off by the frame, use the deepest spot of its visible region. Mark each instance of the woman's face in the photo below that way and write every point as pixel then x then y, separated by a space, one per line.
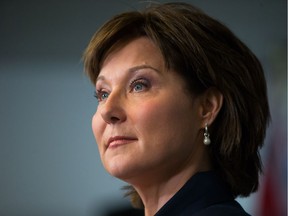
pixel 146 124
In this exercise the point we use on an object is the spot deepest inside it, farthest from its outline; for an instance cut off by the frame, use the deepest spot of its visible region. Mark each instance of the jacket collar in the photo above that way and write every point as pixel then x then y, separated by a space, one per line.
pixel 201 190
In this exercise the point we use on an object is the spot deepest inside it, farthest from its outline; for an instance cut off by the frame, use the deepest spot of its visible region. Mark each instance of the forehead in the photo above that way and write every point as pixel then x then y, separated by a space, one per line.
pixel 139 51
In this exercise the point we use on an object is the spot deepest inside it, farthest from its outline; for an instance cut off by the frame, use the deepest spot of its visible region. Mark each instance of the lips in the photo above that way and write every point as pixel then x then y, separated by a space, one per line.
pixel 117 141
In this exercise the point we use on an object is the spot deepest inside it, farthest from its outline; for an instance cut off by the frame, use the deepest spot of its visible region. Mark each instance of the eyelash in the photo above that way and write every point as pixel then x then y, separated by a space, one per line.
pixel 98 94
pixel 142 81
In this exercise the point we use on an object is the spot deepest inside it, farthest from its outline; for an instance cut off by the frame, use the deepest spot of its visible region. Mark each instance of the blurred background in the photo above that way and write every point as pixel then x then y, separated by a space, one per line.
pixel 49 163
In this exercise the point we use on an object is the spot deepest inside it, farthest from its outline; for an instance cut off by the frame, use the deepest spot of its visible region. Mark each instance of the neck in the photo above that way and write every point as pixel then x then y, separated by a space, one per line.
pixel 157 191
pixel 155 196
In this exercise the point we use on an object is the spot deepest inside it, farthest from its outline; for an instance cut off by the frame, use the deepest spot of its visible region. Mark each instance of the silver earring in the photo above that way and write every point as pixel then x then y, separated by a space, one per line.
pixel 206 140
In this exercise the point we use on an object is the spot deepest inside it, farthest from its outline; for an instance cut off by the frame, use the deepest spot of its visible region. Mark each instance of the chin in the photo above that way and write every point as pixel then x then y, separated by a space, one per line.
pixel 120 170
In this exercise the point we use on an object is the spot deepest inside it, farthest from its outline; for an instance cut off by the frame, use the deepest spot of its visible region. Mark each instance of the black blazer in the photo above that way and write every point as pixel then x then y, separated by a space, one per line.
pixel 205 194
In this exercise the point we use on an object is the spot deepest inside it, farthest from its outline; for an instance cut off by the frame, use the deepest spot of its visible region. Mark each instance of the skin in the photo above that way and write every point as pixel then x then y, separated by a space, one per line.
pixel 148 128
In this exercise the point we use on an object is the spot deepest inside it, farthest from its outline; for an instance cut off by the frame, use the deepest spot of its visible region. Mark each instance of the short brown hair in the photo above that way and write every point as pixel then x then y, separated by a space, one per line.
pixel 206 54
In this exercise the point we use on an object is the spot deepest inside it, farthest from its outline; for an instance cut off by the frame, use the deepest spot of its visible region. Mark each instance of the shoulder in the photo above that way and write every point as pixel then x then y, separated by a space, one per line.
pixel 205 194
pixel 223 209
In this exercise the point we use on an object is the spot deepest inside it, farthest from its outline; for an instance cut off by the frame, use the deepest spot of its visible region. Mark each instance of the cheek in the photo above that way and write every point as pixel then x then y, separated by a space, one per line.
pixel 97 128
pixel 167 120
pixel 156 116
pixel 148 114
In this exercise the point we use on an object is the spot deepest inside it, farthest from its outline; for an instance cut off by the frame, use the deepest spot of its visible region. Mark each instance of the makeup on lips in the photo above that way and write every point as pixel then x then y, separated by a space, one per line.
pixel 117 141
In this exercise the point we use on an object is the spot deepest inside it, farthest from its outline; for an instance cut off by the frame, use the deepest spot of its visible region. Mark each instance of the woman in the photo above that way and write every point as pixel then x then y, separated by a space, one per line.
pixel 182 110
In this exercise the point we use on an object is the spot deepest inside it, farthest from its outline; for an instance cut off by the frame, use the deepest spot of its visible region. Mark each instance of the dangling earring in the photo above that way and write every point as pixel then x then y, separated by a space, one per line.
pixel 206 140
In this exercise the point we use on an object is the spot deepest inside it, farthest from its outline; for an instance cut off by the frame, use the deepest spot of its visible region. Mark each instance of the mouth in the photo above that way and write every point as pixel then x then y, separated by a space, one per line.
pixel 116 141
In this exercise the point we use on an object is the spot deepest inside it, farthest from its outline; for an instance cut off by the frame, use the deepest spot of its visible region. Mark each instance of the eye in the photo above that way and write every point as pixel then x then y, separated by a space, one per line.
pixel 101 95
pixel 139 85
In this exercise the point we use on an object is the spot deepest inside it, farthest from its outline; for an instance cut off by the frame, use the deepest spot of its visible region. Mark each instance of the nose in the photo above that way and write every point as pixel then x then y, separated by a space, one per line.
pixel 113 109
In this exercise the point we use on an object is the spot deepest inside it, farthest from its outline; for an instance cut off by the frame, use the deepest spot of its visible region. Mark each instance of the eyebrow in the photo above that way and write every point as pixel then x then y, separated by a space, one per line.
pixel 132 70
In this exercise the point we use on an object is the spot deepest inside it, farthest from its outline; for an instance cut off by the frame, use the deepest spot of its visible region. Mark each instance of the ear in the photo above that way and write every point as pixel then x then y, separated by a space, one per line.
pixel 211 104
